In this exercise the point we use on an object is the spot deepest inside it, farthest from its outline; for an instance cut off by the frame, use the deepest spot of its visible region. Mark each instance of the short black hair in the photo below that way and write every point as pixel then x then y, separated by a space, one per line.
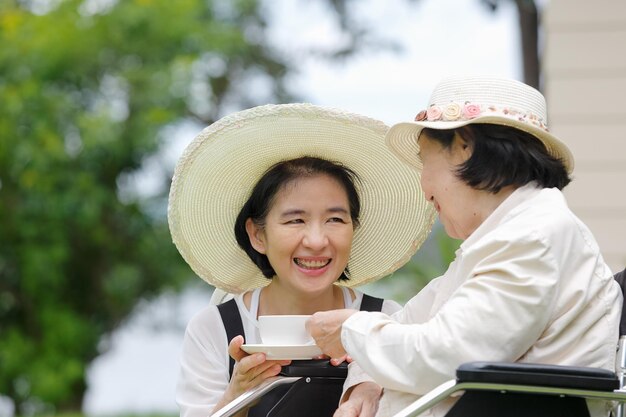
pixel 277 176
pixel 503 156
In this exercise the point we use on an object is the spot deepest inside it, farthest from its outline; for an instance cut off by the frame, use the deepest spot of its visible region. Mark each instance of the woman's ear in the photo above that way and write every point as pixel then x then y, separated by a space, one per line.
pixel 256 236
pixel 462 147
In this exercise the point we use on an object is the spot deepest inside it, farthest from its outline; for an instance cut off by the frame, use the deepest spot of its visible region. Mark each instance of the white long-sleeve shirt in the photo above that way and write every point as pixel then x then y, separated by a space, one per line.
pixel 204 359
pixel 529 285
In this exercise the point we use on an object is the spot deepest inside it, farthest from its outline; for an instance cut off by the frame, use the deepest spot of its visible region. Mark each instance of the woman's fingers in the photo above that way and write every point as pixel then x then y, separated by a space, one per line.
pixel 271 371
pixel 253 365
pixel 254 369
pixel 251 370
pixel 234 348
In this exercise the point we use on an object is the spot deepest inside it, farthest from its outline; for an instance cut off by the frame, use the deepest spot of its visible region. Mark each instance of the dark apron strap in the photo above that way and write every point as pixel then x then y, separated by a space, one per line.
pixel 369 303
pixel 233 325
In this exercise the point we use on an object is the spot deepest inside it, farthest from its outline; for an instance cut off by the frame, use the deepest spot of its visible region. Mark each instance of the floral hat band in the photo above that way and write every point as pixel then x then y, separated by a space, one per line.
pixel 467 111
pixel 462 100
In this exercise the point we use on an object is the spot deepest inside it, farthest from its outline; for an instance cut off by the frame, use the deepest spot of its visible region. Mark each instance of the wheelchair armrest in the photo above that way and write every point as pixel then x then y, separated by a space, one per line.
pixel 252 395
pixel 538 374
pixel 563 381
pixel 315 368
pixel 289 374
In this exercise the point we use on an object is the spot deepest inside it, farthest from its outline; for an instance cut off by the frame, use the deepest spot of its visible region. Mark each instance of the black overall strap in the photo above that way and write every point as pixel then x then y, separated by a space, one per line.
pixel 369 303
pixel 233 325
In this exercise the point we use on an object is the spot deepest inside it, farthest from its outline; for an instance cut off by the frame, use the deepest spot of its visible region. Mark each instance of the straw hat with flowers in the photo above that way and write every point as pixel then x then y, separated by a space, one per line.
pixel 460 101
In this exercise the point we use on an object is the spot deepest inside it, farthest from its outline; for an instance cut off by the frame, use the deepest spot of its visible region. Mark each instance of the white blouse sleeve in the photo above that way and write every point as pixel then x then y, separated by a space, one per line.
pixel 204 365
pixel 390 307
pixel 497 313
pixel 355 373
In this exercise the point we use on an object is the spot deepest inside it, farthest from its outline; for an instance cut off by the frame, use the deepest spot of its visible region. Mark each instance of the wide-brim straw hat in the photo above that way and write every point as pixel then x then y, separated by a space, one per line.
pixel 217 171
pixel 460 101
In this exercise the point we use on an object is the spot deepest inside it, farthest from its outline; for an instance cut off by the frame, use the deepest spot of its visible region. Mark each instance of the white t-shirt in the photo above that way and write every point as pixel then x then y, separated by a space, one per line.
pixel 204 359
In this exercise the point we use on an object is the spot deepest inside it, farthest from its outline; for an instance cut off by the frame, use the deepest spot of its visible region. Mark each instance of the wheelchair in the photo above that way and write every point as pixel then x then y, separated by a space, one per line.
pixel 489 388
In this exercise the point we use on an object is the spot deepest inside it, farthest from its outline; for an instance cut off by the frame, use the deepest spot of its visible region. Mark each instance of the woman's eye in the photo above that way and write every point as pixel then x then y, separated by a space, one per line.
pixel 295 221
pixel 336 220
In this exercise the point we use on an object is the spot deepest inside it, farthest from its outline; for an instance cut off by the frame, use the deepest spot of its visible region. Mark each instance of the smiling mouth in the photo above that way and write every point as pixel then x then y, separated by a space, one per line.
pixel 311 264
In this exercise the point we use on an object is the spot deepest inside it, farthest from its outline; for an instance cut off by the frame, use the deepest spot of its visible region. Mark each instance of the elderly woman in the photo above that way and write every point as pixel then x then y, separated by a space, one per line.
pixel 528 283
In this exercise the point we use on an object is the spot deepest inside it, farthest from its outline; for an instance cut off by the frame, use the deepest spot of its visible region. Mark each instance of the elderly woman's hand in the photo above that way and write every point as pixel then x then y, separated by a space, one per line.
pixel 362 401
pixel 325 328
pixel 249 371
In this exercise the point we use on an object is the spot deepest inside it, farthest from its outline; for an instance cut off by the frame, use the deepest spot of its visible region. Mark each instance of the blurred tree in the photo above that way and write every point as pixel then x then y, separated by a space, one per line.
pixel 430 261
pixel 529 26
pixel 86 87
pixel 88 90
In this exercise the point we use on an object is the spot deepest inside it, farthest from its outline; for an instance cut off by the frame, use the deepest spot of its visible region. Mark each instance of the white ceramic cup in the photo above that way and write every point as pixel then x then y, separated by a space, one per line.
pixel 284 330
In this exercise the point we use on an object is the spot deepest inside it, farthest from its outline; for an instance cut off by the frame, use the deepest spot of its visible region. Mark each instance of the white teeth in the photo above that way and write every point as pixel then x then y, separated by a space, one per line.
pixel 311 264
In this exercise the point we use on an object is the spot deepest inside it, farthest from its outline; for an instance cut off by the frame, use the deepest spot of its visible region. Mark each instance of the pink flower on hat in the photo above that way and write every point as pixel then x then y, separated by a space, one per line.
pixel 471 111
pixel 452 112
pixel 434 113
pixel 422 115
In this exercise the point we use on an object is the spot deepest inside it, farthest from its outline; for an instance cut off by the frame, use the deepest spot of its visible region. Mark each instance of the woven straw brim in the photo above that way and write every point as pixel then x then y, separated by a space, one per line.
pixel 402 138
pixel 218 170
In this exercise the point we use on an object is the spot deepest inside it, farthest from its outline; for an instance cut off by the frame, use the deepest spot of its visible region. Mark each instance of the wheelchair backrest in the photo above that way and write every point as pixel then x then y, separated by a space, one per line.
pixel 620 277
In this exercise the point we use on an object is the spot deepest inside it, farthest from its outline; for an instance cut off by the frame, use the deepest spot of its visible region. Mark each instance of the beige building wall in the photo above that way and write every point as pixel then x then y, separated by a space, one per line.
pixel 584 72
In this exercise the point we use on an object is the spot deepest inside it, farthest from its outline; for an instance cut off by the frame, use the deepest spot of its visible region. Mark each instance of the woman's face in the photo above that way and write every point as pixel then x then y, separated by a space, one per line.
pixel 455 201
pixel 307 235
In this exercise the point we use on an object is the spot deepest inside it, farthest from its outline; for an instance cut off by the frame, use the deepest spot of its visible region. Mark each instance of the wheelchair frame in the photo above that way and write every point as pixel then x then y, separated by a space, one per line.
pixel 251 396
pixel 562 381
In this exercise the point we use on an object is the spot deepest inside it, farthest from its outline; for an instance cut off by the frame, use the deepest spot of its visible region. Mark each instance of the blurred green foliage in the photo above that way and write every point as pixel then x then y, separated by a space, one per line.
pixel 430 261
pixel 88 90
pixel 86 87
pixel 80 414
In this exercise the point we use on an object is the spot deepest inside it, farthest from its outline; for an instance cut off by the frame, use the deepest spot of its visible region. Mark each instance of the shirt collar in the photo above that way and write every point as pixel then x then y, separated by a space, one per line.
pixel 519 196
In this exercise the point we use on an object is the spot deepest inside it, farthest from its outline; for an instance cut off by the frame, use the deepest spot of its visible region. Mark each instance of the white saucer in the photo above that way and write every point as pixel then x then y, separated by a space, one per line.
pixel 284 351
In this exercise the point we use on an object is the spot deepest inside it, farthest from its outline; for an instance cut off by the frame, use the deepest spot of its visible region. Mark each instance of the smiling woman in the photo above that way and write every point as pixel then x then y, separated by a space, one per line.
pixel 305 238
pixel 287 207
